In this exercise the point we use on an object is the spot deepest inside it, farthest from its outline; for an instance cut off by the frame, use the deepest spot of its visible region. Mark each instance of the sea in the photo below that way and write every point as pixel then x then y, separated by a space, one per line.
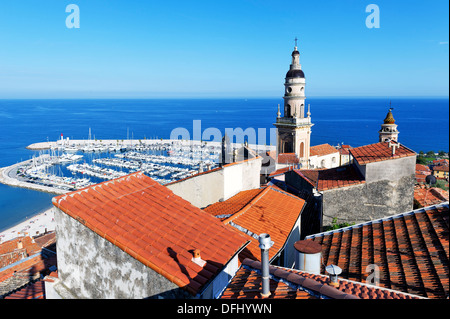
pixel 423 124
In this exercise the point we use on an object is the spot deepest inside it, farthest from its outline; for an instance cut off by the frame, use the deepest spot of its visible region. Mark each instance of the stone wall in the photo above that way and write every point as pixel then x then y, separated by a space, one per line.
pixel 368 201
pixel 92 267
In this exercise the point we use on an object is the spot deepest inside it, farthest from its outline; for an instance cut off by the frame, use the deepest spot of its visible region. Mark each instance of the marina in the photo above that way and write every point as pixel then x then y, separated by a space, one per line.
pixel 65 165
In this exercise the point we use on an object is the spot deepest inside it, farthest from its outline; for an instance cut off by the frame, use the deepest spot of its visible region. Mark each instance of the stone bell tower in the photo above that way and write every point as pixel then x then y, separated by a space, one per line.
pixel 388 130
pixel 294 128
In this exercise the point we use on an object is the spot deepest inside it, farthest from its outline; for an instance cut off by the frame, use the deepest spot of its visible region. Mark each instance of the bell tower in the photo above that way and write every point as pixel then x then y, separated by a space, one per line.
pixel 294 128
pixel 388 130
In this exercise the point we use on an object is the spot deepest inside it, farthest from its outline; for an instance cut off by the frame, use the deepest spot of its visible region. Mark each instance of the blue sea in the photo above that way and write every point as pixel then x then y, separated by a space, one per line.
pixel 423 124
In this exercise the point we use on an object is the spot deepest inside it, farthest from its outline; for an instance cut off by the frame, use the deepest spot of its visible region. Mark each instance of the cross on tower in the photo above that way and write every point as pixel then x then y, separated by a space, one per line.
pixel 296 41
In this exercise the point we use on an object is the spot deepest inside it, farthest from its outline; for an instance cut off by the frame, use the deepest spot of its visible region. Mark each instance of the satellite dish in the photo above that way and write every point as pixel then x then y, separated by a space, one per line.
pixel 430 179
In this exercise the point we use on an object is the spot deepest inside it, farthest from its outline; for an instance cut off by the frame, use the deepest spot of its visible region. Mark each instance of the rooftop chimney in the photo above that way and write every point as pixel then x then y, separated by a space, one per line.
pixel 333 271
pixel 264 244
pixel 197 258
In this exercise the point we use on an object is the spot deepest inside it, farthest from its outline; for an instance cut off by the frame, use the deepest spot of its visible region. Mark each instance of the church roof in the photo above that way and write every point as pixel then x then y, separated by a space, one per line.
pixel 379 152
pixel 332 178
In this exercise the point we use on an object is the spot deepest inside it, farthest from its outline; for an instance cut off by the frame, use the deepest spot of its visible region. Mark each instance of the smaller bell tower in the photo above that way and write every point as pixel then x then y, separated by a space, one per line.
pixel 388 130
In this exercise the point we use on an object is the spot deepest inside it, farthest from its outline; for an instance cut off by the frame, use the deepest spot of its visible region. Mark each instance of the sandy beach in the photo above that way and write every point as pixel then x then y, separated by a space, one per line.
pixel 33 226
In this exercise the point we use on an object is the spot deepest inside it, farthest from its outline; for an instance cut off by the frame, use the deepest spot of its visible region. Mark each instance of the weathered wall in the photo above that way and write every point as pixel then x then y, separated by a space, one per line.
pixel 92 267
pixel 368 201
pixel 391 169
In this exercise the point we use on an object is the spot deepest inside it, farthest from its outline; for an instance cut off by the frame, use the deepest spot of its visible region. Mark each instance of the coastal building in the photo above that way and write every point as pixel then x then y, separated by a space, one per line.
pixel 388 131
pixel 324 156
pixel 294 127
pixel 407 252
pixel 131 237
pixel 264 210
pixel 441 171
pixel 379 182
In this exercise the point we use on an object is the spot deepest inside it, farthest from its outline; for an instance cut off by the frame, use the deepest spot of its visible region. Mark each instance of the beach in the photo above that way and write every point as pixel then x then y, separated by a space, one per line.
pixel 33 226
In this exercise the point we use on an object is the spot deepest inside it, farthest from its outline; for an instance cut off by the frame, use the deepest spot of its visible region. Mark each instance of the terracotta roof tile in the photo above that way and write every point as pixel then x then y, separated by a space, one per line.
pixel 294 284
pixel 322 150
pixel 430 196
pixel 441 168
pixel 331 178
pixel 225 209
pixel 16 249
pixel 287 158
pixel 127 210
pixel 266 210
pixel 378 152
pixel 410 249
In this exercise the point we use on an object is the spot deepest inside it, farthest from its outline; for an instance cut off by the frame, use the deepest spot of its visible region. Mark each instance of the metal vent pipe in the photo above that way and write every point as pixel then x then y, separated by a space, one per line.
pixel 264 244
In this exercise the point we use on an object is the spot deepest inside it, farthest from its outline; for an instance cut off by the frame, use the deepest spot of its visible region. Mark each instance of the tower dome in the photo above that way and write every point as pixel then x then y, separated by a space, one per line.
pixel 389 118
pixel 295 73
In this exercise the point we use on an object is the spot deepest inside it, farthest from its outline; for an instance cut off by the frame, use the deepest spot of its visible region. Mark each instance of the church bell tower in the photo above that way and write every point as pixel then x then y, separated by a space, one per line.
pixel 388 130
pixel 294 128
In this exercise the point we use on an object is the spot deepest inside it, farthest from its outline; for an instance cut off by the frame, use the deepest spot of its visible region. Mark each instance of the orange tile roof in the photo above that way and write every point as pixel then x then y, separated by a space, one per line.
pixel 378 152
pixel 332 178
pixel 410 249
pixel 287 283
pixel 321 150
pixel 280 171
pixel 287 158
pixel 429 196
pixel 422 168
pixel 442 168
pixel 10 252
pixel 443 161
pixel 155 226
pixel 225 209
pixel 271 211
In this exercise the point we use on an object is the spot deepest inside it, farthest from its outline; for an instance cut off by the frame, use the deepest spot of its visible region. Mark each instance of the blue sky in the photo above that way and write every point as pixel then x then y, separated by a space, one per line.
pixel 146 49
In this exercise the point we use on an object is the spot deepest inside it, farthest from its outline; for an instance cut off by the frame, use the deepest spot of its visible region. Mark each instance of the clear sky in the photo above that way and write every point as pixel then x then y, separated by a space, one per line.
pixel 146 49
